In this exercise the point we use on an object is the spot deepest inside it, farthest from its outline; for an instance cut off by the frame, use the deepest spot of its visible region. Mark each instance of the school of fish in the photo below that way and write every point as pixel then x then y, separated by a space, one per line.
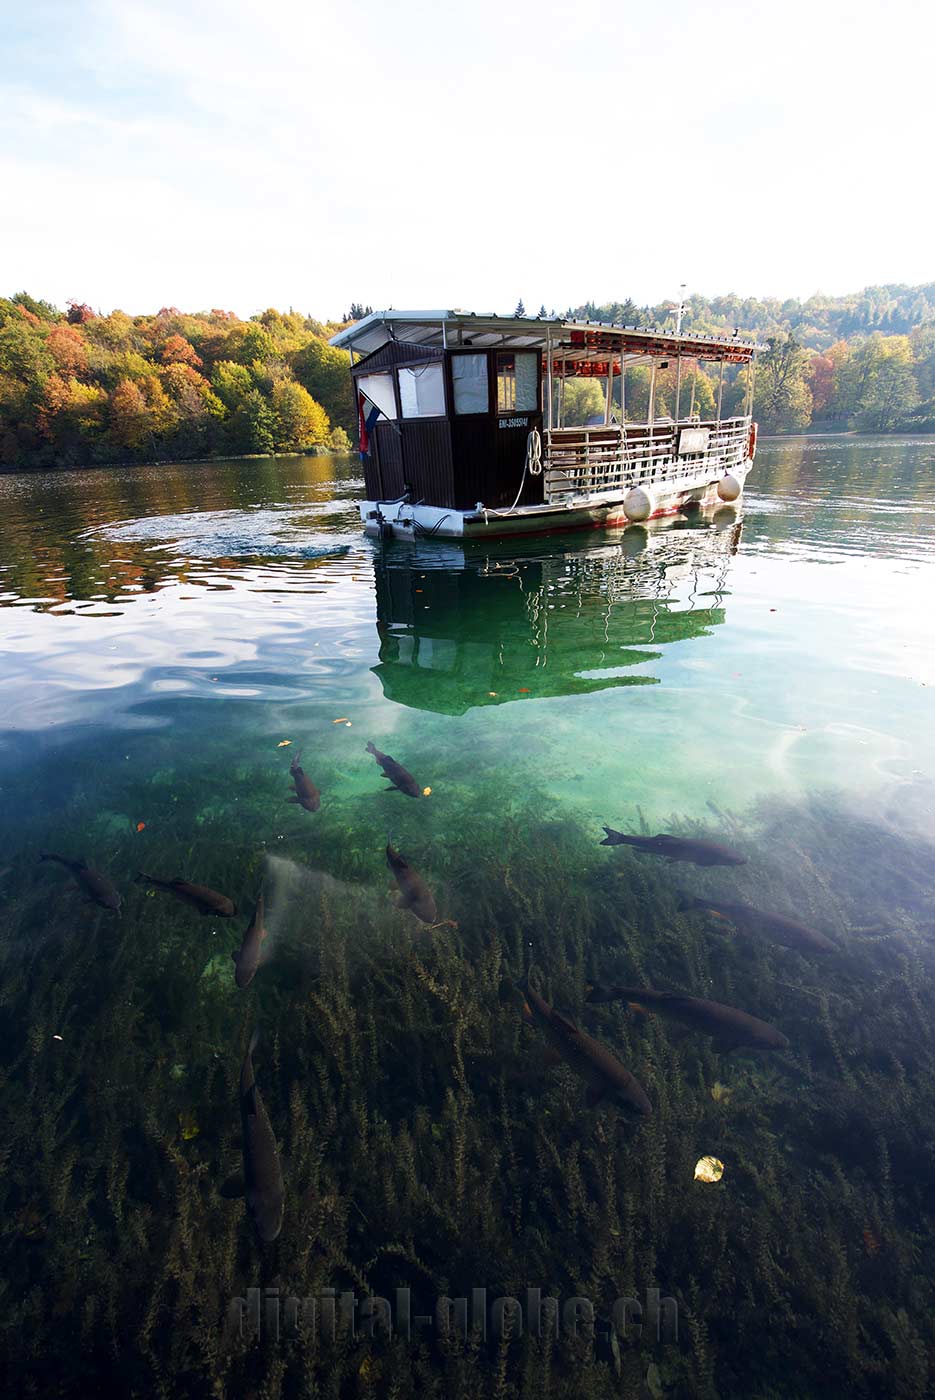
pixel 607 1079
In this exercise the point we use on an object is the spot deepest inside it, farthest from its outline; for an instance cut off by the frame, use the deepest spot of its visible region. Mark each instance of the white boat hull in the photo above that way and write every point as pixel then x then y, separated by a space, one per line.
pixel 602 510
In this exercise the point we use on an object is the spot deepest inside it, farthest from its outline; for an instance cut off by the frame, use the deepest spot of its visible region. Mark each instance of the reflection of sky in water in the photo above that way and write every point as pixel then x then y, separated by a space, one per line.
pixel 670 671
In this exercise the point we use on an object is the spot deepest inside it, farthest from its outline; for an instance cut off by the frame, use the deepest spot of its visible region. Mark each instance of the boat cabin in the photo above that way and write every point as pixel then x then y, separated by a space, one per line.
pixel 462 422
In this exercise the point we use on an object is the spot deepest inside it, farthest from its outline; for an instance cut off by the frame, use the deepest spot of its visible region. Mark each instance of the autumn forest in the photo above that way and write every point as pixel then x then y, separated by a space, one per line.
pixel 78 387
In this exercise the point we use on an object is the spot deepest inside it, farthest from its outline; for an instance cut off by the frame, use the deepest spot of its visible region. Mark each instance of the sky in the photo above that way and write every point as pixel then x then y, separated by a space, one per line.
pixel 312 153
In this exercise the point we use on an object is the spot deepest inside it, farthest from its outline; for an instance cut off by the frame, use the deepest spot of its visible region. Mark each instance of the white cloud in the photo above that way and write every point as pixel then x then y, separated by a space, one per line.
pixel 310 154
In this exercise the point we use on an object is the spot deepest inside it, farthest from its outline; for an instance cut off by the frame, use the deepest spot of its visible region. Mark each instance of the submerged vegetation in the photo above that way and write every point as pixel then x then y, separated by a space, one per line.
pixel 425 1142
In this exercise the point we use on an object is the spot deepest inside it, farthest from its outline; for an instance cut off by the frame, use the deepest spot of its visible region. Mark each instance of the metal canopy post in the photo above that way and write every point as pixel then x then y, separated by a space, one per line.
pixel 751 385
pixel 720 391
pixel 678 386
pixel 548 382
pixel 652 395
pixel 608 393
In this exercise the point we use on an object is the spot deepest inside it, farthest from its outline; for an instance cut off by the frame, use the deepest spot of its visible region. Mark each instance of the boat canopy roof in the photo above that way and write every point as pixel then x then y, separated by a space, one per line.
pixel 569 341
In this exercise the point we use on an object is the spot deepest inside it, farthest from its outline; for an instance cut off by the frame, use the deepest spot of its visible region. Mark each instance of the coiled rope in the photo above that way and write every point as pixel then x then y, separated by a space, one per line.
pixel 532 464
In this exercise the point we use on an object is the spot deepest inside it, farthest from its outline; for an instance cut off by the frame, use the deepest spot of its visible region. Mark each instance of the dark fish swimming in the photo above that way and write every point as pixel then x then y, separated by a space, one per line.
pixel 400 779
pixel 730 1028
pixel 262 1169
pixel 198 896
pixel 247 960
pixel 776 927
pixel 677 848
pixel 306 793
pixel 603 1073
pixel 96 886
pixel 414 893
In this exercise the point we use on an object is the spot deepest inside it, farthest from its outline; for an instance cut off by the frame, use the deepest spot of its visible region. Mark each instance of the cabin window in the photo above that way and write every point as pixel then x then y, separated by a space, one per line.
pixel 469 375
pixel 517 382
pixel 378 388
pixel 422 392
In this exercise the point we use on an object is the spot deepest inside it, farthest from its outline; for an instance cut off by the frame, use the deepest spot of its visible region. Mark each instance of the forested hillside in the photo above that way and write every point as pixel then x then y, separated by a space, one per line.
pixel 864 361
pixel 79 388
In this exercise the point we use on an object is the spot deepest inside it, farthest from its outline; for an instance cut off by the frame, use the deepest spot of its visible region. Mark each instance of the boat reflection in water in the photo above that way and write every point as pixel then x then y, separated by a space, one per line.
pixel 464 625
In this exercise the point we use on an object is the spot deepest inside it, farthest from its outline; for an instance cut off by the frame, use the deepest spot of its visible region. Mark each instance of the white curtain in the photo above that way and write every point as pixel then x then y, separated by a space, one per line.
pixel 527 381
pixel 379 390
pixel 422 392
pixel 469 373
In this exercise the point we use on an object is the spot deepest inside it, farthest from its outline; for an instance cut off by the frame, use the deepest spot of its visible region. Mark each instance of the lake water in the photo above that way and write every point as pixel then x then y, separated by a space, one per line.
pixel 171 636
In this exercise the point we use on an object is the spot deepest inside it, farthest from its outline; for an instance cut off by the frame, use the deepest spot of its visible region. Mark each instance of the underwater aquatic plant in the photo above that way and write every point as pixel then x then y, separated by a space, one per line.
pixel 429 1147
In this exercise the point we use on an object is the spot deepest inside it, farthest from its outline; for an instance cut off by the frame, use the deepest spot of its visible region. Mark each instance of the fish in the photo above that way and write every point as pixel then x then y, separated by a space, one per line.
pixel 414 893
pixel 776 927
pixel 599 1067
pixel 262 1169
pixel 730 1028
pixel 96 886
pixel 400 779
pixel 198 896
pixel 247 960
pixel 306 793
pixel 677 848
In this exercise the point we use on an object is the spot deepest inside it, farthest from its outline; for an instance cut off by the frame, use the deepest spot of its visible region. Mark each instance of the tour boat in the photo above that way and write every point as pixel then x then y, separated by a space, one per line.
pixel 463 432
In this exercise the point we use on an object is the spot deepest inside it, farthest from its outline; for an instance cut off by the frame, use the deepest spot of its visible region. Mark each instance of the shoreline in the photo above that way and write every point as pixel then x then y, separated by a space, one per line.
pixel 7 469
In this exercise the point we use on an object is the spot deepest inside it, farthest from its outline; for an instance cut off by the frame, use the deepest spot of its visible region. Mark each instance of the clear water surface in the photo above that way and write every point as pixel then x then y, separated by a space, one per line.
pixel 171 636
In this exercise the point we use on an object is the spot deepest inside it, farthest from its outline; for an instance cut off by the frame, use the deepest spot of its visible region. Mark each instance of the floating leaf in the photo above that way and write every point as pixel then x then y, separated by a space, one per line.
pixel 188 1124
pixel 141 826
pixel 426 792
pixel 284 743
pixel 343 720
pixel 708 1169
pixel 720 1092
pixel 524 690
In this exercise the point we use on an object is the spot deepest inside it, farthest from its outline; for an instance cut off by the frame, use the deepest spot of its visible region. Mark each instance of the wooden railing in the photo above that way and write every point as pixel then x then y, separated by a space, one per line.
pixel 581 461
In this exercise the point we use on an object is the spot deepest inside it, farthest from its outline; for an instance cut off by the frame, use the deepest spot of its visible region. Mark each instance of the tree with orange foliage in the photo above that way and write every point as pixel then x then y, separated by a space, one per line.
pixel 128 415
pixel 820 377
pixel 178 378
pixel 68 350
pixel 79 313
pixel 71 417
pixel 179 351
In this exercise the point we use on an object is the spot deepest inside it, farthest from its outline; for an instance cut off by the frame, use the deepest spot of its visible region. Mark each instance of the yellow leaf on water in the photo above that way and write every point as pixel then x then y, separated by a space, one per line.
pixel 426 792
pixel 284 743
pixel 188 1124
pixel 343 720
pixel 708 1169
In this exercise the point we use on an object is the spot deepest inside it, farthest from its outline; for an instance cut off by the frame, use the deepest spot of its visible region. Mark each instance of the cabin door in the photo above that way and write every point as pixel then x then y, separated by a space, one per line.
pixel 517 382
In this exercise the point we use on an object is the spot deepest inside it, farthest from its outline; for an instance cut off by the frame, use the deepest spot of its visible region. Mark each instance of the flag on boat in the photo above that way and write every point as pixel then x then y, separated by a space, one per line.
pixel 366 422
